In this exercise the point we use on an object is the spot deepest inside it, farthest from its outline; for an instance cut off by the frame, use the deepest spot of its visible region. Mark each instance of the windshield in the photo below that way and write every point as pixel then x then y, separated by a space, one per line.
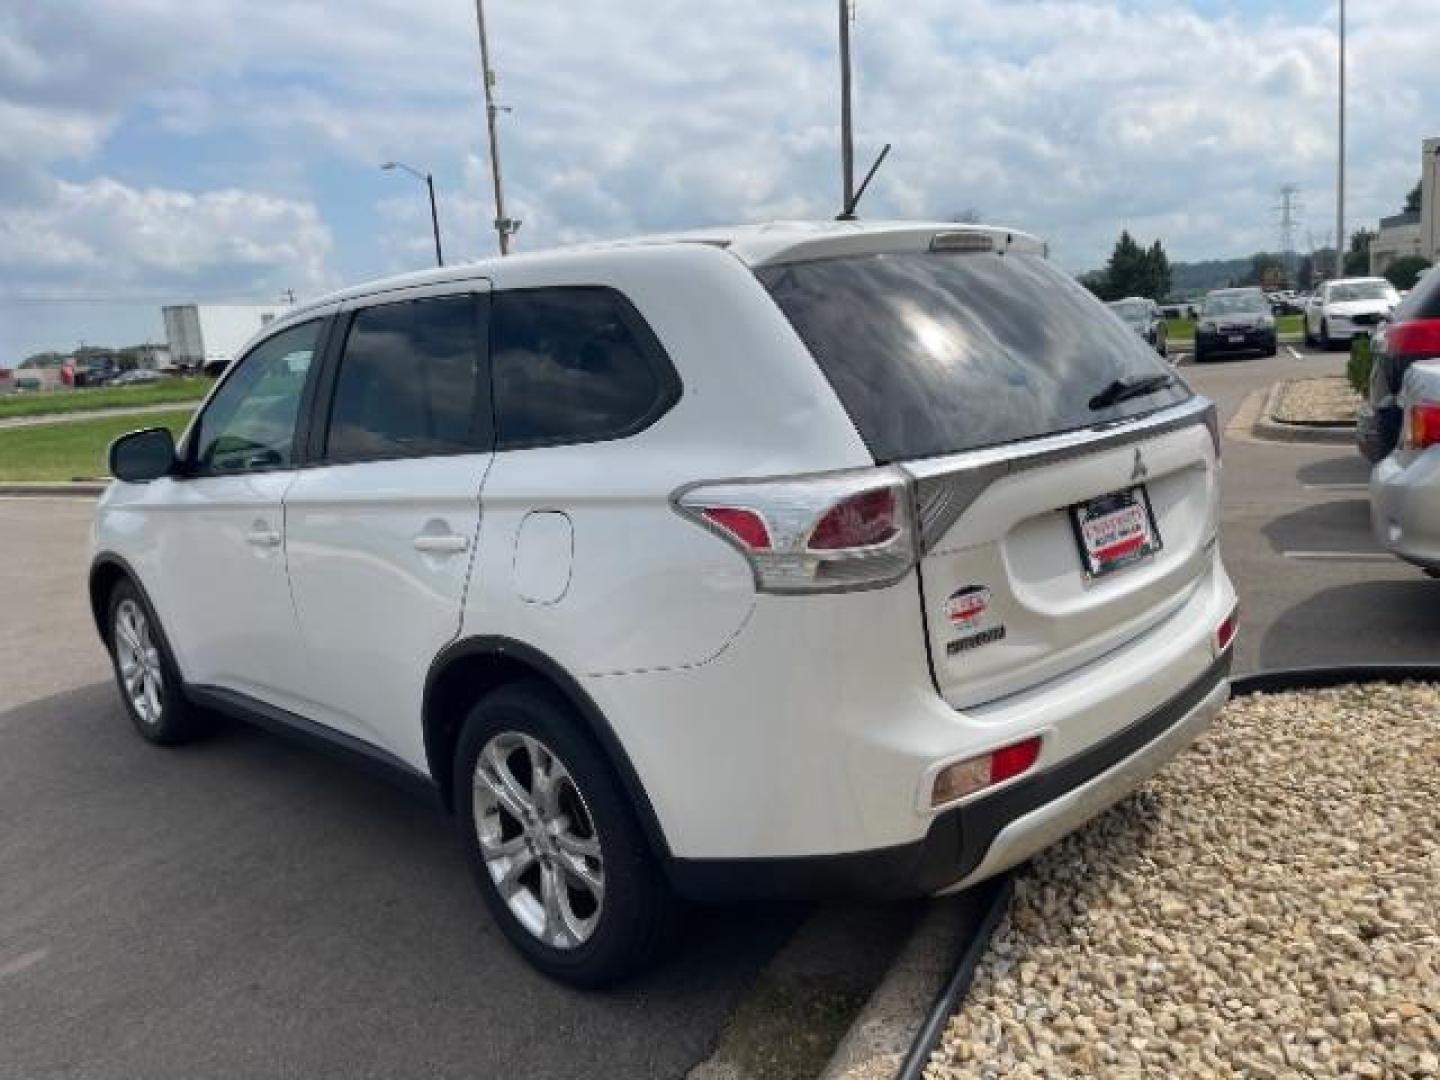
pixel 1361 290
pixel 1235 304
pixel 1132 311
pixel 937 353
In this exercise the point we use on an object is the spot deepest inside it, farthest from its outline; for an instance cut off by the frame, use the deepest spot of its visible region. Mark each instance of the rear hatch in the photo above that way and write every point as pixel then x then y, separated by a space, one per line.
pixel 1065 477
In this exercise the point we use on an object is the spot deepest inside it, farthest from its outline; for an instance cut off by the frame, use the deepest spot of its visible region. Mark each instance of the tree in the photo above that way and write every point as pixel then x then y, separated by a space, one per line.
pixel 1132 271
pixel 1412 201
pixel 1405 271
pixel 1357 259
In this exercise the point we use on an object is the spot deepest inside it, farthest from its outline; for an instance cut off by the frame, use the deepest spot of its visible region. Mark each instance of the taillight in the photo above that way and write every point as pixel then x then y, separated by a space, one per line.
pixel 813 534
pixel 1225 632
pixel 966 777
pixel 1419 338
pixel 1422 427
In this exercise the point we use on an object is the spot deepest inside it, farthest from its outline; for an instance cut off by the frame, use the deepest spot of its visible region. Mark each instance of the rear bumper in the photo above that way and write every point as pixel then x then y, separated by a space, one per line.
pixel 974 841
pixel 1251 341
pixel 1405 506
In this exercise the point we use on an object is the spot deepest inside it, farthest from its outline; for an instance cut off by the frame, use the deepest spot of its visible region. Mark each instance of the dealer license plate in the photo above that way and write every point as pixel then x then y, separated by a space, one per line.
pixel 1115 530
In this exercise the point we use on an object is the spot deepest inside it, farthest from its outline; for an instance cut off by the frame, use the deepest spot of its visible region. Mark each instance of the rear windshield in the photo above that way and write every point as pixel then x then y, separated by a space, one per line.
pixel 1424 299
pixel 1235 304
pixel 938 353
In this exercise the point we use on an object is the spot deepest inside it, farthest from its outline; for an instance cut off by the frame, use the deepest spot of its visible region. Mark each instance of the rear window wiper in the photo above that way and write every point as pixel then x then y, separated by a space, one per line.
pixel 1125 389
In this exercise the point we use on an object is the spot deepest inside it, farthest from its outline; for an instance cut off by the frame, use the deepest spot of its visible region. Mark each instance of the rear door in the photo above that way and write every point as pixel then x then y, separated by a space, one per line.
pixel 381 531
pixel 1065 476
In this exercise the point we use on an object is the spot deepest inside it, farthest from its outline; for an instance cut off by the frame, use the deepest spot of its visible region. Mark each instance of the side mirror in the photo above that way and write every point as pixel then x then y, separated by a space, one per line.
pixel 142 456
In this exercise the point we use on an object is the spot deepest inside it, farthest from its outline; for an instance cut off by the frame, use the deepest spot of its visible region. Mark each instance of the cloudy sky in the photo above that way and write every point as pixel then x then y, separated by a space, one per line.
pixel 162 150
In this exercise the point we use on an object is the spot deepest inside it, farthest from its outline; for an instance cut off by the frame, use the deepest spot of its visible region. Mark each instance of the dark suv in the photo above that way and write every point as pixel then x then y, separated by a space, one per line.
pixel 1411 333
pixel 1234 321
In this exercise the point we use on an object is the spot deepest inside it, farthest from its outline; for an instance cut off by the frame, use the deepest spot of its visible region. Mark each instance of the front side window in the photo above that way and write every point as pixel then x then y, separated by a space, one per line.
pixel 573 365
pixel 250 422
pixel 410 383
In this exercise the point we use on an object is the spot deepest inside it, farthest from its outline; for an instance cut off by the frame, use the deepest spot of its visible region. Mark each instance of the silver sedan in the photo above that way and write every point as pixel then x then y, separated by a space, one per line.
pixel 1405 487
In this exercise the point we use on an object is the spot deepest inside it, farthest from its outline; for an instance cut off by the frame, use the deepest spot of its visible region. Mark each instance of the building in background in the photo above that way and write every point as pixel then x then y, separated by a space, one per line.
pixel 1415 232
pixel 207 336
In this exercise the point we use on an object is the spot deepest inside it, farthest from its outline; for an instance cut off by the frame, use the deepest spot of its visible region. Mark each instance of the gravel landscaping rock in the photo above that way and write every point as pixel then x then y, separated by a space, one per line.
pixel 1269 905
pixel 1327 400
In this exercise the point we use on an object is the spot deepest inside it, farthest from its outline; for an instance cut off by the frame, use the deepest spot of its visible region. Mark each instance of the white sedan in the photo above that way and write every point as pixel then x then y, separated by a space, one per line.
pixel 1346 307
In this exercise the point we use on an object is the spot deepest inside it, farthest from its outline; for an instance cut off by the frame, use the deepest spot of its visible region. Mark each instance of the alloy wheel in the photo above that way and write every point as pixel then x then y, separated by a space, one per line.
pixel 538 840
pixel 139 662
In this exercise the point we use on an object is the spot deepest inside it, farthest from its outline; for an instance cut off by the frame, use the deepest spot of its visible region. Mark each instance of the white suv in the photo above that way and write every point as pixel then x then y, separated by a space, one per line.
pixel 795 560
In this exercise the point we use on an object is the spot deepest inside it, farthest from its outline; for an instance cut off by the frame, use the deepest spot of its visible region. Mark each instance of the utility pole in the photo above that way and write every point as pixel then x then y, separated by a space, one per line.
pixel 847 143
pixel 1340 178
pixel 504 227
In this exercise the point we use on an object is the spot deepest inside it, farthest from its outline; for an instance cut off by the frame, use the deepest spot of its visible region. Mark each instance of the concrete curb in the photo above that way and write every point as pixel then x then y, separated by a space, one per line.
pixel 1268 428
pixel 80 489
pixel 905 1017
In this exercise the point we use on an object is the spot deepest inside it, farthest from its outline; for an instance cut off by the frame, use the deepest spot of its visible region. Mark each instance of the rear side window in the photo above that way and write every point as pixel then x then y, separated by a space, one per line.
pixel 410 382
pixel 574 365
pixel 938 353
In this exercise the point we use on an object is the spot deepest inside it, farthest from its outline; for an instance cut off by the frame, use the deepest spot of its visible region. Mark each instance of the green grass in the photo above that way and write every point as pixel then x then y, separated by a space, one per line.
pixel 52 402
pixel 1184 329
pixel 74 449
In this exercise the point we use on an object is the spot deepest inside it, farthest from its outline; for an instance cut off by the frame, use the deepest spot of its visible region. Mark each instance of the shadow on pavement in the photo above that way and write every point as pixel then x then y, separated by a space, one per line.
pixel 1359 622
pixel 245 906
pixel 1348 468
pixel 1334 525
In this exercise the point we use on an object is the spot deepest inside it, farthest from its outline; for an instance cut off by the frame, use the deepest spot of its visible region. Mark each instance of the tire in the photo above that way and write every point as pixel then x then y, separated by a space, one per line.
pixel 1199 356
pixel 145 671
pixel 1325 342
pixel 583 830
pixel 1305 328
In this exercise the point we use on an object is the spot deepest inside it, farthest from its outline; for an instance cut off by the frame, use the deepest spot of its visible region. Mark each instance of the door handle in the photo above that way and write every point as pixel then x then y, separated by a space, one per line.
pixel 441 543
pixel 263 538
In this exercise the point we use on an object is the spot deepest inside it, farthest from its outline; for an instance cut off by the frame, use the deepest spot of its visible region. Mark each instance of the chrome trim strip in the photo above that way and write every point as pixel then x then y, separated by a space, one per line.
pixel 945 487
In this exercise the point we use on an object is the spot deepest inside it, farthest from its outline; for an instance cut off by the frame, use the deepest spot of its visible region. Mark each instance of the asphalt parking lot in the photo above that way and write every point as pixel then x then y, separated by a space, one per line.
pixel 245 907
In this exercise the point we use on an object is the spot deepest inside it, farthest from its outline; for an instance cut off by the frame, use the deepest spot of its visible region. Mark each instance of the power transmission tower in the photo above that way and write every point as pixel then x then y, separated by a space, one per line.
pixel 1288 211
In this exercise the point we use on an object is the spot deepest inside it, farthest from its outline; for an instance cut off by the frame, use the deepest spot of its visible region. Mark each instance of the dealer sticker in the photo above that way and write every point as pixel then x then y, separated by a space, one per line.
pixel 967 608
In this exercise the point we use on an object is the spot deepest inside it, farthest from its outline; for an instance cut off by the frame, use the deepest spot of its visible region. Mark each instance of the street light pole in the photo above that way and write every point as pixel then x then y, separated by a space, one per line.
pixel 1340 176
pixel 430 189
pixel 504 226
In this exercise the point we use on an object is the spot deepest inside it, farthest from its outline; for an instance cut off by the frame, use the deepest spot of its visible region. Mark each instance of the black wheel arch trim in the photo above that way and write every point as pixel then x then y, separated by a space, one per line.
pixel 108 561
pixel 552 672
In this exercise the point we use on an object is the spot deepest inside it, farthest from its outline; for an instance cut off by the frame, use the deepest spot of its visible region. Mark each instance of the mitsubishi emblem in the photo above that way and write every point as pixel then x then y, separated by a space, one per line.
pixel 1139 472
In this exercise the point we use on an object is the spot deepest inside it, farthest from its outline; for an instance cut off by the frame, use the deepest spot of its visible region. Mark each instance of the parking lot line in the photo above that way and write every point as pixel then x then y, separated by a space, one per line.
pixel 1294 352
pixel 1355 556
pixel 1337 487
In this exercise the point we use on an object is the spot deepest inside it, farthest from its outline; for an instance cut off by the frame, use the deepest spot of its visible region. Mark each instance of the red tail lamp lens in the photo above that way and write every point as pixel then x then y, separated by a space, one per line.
pixel 862 520
pixel 1424 424
pixel 745 525
pixel 1225 633
pixel 1418 338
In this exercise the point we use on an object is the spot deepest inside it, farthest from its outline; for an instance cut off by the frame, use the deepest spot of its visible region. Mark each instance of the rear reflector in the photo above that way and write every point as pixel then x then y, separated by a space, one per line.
pixel 977 773
pixel 1225 632
pixel 1418 338
pixel 1424 427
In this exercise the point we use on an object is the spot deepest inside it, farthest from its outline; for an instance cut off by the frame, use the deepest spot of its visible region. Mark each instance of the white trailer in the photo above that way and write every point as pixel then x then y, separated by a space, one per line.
pixel 207 336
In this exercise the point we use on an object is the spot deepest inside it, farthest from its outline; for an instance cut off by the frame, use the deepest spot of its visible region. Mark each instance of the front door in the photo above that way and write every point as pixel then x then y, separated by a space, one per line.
pixel 224 595
pixel 382 528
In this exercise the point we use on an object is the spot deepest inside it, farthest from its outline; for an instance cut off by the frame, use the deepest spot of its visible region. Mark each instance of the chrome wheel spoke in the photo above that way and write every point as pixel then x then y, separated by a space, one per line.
pixel 583 847
pixel 495 773
pixel 582 873
pixel 512 871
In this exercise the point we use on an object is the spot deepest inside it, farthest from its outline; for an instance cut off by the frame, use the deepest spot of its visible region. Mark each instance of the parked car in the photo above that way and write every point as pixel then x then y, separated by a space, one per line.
pixel 1234 321
pixel 138 377
pixel 1143 316
pixel 1410 334
pixel 1405 486
pixel 816 560
pixel 1342 308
